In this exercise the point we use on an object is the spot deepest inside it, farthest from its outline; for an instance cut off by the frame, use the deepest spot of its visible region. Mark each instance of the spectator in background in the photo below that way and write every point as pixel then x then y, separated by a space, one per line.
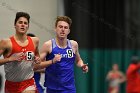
pixel 115 78
pixel 133 76
pixel 37 73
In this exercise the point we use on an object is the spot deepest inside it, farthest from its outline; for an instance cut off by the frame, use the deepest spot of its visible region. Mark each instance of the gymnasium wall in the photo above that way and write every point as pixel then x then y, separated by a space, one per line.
pixel 42 12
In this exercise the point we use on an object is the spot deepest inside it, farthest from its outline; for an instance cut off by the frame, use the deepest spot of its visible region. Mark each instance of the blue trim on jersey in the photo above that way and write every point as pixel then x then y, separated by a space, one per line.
pixel 37 76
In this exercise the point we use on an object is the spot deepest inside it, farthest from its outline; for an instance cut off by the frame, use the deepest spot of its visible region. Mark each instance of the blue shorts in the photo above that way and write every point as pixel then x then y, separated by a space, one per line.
pixel 40 89
pixel 59 91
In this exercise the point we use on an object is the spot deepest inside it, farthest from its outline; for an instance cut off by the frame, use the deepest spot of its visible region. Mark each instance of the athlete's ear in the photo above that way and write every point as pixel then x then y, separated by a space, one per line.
pixel 14 26
pixel 68 31
pixel 54 30
pixel 28 26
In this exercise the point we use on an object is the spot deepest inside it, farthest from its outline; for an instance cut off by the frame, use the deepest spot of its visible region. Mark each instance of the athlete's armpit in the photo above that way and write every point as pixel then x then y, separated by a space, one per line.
pixel 2 47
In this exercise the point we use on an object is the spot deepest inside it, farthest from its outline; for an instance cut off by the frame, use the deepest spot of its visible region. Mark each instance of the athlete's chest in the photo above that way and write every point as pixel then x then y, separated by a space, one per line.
pixel 22 44
pixel 115 75
pixel 66 53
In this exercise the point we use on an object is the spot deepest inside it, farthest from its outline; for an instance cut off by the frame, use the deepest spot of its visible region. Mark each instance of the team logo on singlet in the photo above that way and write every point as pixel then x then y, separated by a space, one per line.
pixel 69 54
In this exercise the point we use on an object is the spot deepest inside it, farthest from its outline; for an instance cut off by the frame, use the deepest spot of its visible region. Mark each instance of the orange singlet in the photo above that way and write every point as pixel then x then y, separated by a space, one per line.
pixel 19 74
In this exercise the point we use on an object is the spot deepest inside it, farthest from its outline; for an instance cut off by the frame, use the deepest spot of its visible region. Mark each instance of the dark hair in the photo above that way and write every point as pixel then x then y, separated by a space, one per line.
pixel 63 18
pixel 135 59
pixel 30 34
pixel 22 14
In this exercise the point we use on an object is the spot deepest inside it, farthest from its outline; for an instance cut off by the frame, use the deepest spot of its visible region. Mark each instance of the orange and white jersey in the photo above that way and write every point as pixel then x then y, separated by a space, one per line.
pixel 115 79
pixel 19 71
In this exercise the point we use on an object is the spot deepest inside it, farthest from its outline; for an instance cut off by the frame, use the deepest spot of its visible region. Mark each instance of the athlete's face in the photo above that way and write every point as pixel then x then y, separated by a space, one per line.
pixel 22 25
pixel 115 67
pixel 62 29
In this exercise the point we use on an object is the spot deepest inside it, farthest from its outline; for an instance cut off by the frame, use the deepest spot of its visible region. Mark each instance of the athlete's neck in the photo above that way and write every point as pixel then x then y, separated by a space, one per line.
pixel 20 37
pixel 61 42
pixel 115 70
